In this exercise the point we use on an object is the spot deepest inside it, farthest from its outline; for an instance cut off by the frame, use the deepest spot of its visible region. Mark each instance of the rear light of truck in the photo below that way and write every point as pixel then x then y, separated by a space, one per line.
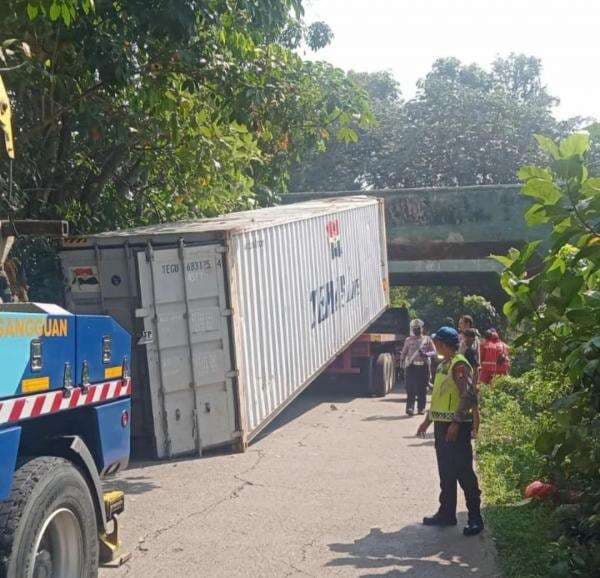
pixel 35 354
pixel 106 349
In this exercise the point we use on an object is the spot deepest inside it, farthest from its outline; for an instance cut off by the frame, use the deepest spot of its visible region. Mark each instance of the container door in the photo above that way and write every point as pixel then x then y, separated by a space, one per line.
pixel 103 281
pixel 187 342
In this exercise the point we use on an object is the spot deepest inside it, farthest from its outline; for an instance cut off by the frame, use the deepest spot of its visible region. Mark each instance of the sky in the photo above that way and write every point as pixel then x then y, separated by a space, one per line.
pixel 407 36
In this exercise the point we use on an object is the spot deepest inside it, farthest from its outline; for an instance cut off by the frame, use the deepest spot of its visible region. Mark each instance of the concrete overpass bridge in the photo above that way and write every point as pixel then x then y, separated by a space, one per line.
pixel 444 236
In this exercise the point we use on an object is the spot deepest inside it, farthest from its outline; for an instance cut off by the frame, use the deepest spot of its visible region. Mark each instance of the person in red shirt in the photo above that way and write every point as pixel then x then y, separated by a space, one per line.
pixel 503 363
pixel 494 357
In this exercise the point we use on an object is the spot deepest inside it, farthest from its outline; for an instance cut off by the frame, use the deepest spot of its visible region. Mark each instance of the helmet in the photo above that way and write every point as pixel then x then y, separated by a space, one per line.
pixel 447 335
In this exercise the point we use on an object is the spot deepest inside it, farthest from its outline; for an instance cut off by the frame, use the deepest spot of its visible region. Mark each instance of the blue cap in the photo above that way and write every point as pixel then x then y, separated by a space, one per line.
pixel 447 335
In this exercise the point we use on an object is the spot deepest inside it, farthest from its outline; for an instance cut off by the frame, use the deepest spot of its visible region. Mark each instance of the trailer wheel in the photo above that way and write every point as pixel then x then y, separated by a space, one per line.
pixel 48 524
pixel 384 375
pixel 367 374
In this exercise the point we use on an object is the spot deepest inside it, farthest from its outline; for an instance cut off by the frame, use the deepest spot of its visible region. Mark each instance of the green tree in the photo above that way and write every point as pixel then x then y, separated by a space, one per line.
pixel 135 111
pixel 347 166
pixel 465 126
pixel 554 289
pixel 435 304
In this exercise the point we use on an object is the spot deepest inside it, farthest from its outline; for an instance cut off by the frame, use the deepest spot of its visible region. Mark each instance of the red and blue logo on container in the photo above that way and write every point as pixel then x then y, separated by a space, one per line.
pixel 335 239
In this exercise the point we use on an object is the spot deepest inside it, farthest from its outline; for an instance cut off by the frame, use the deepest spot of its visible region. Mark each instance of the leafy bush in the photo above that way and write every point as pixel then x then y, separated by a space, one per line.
pixel 434 304
pixel 515 412
pixel 483 312
pixel 554 289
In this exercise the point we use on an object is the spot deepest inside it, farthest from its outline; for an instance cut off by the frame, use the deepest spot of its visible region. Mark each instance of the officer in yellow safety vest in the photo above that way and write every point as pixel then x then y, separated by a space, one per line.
pixel 452 401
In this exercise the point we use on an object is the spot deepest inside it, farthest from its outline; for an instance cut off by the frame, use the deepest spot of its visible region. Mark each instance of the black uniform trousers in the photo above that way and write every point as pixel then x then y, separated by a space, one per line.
pixel 417 379
pixel 455 464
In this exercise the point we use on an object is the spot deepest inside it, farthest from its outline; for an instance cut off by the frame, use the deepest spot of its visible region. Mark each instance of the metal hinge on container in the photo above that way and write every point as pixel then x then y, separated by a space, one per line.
pixel 232 373
pixel 142 312
pixel 149 252
pixel 195 427
pixel 227 313
pixel 221 249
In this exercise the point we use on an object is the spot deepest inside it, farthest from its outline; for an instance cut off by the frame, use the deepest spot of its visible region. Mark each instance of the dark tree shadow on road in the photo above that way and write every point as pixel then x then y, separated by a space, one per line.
pixel 416 551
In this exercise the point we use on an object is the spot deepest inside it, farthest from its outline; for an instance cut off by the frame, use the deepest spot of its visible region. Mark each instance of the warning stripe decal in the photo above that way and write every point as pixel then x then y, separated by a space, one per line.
pixel 20 408
pixel 74 240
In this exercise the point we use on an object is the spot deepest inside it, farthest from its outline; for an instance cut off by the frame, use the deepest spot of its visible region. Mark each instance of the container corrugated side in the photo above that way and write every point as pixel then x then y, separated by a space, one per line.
pixel 301 292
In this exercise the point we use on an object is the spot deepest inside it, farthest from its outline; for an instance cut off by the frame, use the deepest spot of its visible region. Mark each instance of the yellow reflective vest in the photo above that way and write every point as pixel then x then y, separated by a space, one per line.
pixel 445 398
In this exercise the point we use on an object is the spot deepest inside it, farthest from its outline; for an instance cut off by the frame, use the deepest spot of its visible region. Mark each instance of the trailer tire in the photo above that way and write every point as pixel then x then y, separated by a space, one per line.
pixel 366 375
pixel 383 375
pixel 49 506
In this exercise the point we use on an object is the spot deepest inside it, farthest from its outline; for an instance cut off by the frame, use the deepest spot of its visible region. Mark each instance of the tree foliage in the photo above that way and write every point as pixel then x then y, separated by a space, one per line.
pixel 554 290
pixel 465 126
pixel 134 111
pixel 434 305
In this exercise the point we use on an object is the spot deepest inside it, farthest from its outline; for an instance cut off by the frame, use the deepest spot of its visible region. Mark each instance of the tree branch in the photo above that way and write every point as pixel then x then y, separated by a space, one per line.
pixel 94 185
pixel 63 109
pixel 589 228
pixel 11 68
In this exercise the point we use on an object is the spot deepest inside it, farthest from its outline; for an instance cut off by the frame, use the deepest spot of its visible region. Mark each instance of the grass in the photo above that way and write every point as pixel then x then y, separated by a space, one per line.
pixel 513 414
pixel 523 537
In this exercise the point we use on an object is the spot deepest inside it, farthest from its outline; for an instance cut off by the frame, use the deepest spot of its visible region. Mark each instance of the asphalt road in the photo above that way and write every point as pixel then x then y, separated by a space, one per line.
pixel 336 487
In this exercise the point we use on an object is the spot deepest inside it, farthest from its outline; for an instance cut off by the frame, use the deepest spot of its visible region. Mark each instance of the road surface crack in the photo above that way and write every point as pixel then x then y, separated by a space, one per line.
pixel 235 493
pixel 241 476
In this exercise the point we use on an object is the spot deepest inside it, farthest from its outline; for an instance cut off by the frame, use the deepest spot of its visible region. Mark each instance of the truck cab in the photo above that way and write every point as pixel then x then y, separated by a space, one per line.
pixel 64 427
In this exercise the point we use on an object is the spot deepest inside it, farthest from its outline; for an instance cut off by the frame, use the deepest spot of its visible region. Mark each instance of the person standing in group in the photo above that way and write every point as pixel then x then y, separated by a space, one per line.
pixel 495 359
pixel 503 363
pixel 472 356
pixel 464 323
pixel 418 349
pixel 452 402
pixel 469 347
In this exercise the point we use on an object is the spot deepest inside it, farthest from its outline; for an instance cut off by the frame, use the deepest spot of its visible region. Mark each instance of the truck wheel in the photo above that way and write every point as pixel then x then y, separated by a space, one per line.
pixel 367 375
pixel 48 524
pixel 391 378
pixel 384 375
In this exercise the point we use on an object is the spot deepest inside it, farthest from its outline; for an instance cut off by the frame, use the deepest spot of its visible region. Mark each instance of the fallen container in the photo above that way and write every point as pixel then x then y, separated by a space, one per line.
pixel 232 316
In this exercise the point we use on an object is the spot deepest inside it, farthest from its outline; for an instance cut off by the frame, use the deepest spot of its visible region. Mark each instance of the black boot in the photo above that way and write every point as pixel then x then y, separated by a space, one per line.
pixel 439 520
pixel 474 526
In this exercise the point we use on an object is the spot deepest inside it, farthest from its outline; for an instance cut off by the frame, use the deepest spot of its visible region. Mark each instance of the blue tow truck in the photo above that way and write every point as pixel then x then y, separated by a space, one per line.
pixel 64 425
pixel 65 407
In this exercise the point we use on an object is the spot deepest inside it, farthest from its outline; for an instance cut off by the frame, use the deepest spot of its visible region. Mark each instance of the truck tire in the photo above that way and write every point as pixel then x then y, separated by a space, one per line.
pixel 367 375
pixel 383 381
pixel 48 524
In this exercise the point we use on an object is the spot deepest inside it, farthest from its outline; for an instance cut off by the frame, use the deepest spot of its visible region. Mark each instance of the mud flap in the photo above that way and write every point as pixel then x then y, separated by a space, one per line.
pixel 110 545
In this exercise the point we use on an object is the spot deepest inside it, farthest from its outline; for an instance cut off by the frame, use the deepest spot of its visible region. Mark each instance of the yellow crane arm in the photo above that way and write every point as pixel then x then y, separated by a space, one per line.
pixel 5 122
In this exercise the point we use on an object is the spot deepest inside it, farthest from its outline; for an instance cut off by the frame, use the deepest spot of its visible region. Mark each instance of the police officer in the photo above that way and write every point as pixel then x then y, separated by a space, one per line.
pixel 452 401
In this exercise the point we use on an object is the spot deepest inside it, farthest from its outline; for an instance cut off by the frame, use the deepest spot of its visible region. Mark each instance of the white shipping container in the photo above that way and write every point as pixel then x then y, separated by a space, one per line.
pixel 233 316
